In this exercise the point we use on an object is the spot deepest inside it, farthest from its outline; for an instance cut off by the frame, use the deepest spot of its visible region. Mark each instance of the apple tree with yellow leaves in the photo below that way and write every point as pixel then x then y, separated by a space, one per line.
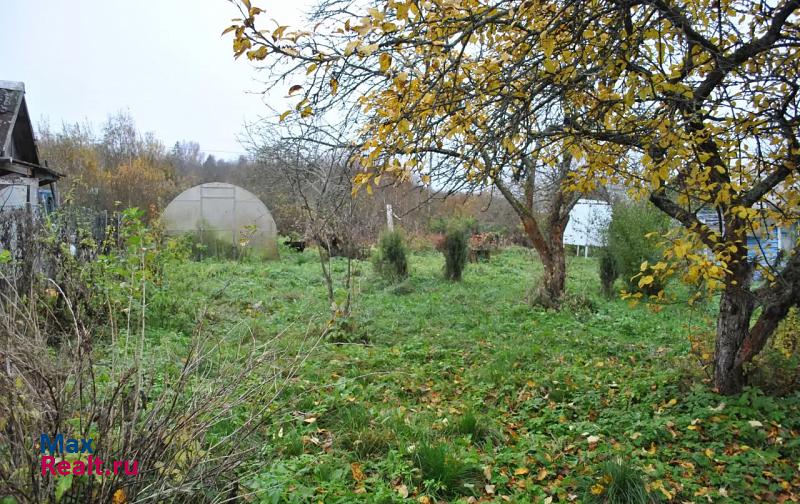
pixel 456 115
pixel 691 104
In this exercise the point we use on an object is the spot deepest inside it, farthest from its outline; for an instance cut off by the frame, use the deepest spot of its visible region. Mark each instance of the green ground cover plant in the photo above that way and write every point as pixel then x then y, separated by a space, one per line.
pixel 526 404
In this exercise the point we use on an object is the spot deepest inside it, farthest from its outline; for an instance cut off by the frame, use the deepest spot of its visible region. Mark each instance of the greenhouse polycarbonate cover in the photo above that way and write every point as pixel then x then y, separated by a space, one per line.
pixel 223 215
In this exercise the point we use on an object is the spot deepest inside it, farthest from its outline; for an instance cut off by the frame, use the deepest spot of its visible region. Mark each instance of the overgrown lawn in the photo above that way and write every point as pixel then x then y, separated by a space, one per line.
pixel 448 391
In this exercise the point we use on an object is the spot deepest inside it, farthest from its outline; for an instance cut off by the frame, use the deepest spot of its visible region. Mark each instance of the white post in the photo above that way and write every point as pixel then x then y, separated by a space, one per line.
pixel 389 218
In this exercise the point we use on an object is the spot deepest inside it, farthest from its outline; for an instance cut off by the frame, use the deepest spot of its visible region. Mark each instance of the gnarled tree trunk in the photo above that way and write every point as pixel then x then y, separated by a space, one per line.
pixel 550 247
pixel 733 324
pixel 738 340
pixel 545 226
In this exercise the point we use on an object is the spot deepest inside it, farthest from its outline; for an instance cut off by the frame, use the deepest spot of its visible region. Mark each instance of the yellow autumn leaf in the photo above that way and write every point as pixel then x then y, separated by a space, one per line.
pixel 351 47
pixel 355 470
pixel 548 44
pixel 385 61
pixel 278 32
pixel 257 54
pixel 368 49
pixel 119 497
pixel 521 471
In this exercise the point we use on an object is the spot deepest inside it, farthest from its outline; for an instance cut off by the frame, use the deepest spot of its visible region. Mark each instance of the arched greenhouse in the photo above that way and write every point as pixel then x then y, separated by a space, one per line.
pixel 224 219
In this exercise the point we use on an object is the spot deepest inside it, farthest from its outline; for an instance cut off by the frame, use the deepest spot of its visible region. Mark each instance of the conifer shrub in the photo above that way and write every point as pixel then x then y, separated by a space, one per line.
pixel 456 251
pixel 390 260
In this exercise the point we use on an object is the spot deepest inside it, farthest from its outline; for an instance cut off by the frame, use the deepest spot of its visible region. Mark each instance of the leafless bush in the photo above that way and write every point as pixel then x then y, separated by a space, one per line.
pixel 320 179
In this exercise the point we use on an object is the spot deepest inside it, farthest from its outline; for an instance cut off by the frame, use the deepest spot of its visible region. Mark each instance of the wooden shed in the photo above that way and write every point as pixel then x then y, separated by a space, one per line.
pixel 25 182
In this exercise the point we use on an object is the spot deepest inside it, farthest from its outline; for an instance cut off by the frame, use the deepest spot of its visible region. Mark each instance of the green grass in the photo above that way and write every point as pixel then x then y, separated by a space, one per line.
pixel 464 389
pixel 442 473
pixel 619 483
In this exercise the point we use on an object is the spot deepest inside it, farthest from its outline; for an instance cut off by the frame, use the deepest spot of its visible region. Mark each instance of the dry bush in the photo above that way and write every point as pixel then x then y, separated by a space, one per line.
pixel 190 415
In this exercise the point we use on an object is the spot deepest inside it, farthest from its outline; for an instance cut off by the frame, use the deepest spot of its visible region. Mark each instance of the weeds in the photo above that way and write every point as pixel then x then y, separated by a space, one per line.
pixel 189 418
pixel 443 473
pixel 619 483
pixel 474 426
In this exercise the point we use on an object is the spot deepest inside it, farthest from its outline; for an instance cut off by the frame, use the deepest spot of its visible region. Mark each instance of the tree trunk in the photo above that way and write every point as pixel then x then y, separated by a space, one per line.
pixel 551 290
pixel 733 325
pixel 551 252
pixel 739 340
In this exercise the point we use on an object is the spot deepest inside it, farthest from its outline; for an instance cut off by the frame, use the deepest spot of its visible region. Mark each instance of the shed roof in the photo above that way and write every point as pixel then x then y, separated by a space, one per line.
pixel 12 101
pixel 15 121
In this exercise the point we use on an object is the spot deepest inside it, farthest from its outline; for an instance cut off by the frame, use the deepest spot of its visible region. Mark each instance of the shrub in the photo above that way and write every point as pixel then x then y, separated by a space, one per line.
pixel 608 272
pixel 440 225
pixel 153 407
pixel 776 370
pixel 390 259
pixel 456 250
pixel 628 245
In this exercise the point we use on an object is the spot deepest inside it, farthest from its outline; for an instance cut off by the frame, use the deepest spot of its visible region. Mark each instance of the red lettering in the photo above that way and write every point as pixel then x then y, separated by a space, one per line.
pixel 134 471
pixel 47 464
pixel 117 463
pixel 63 467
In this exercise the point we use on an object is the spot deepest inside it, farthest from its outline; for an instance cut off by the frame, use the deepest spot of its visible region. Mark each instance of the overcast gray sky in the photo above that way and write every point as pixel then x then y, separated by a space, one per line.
pixel 163 60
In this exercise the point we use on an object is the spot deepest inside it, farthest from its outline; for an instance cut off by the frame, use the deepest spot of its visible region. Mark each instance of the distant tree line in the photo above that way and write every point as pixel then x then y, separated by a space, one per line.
pixel 118 166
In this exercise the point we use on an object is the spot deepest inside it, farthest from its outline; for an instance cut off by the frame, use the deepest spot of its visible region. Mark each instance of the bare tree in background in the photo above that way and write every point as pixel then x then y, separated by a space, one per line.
pixel 321 181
